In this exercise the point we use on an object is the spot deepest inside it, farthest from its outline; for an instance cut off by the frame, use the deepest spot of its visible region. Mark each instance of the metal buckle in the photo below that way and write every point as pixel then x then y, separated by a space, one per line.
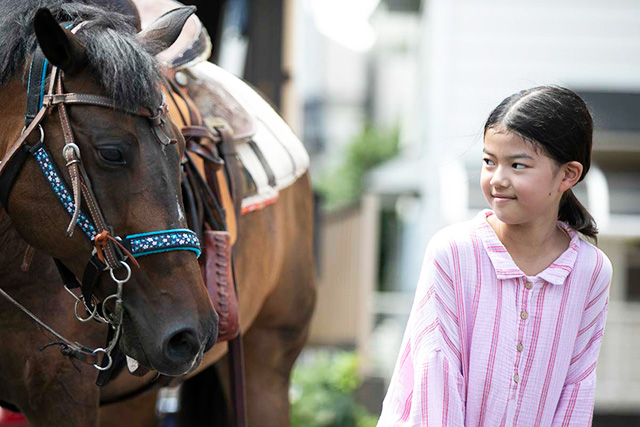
pixel 73 147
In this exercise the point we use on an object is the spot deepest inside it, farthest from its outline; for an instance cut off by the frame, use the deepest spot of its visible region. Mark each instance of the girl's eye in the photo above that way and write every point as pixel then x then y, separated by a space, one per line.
pixel 519 166
pixel 488 162
pixel 111 155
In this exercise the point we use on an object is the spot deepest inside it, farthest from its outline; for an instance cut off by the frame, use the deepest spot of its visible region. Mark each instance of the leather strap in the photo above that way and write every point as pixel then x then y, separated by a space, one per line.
pixel 236 356
pixel 89 99
pixel 22 139
pixel 230 157
pixel 81 181
pixel 236 369
pixel 90 277
pixel 68 348
pixel 68 278
pixel 222 135
pixel 35 85
pixel 205 153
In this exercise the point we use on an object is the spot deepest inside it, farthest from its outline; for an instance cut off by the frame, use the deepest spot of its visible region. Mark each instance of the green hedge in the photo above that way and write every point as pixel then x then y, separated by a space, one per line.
pixel 322 392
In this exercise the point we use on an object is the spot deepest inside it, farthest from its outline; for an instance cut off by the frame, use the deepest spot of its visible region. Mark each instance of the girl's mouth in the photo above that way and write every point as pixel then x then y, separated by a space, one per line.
pixel 501 198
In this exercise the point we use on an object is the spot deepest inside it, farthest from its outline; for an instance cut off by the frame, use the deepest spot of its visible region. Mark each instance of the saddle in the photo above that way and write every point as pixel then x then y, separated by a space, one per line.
pixel 192 47
pixel 211 170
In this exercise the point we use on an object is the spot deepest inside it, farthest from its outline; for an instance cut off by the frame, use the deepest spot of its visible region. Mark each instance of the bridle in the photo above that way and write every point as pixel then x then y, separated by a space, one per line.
pixel 110 251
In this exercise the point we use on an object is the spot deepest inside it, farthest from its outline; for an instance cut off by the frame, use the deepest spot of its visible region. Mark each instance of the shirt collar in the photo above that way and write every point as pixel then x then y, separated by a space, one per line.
pixel 506 268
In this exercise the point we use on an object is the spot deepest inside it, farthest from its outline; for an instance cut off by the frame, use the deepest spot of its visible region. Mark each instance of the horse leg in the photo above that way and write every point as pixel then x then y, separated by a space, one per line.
pixel 276 337
pixel 271 347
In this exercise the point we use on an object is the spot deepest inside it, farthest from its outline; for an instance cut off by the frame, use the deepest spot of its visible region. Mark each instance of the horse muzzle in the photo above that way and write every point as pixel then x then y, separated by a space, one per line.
pixel 178 351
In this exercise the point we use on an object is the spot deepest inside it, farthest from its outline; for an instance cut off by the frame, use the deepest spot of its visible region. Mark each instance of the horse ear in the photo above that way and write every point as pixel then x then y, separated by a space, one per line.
pixel 59 46
pixel 164 31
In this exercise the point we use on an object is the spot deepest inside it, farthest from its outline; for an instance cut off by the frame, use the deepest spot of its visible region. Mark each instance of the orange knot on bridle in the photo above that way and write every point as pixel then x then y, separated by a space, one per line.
pixel 102 239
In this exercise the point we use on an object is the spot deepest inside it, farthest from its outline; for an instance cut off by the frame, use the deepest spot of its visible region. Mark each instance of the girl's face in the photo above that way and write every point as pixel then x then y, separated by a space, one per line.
pixel 522 184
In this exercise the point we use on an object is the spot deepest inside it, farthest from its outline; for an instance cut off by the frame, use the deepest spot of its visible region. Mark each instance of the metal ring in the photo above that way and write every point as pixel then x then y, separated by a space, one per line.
pixel 71 146
pixel 104 308
pixel 80 318
pixel 39 128
pixel 98 367
pixel 126 279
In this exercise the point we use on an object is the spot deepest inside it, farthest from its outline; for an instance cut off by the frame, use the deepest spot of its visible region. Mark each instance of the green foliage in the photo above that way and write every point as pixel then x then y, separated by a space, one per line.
pixel 344 184
pixel 322 392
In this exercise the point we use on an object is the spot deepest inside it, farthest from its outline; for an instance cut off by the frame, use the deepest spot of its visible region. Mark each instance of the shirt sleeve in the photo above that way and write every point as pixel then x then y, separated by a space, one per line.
pixel 575 407
pixel 427 386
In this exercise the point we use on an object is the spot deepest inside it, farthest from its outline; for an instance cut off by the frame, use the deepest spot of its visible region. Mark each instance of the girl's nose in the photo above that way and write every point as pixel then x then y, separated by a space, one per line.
pixel 499 179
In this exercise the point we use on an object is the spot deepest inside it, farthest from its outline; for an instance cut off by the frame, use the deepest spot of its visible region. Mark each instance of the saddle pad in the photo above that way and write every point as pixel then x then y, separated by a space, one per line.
pixel 274 157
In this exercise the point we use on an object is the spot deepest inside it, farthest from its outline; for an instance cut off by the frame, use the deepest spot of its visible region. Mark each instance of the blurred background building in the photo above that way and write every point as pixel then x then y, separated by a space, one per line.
pixel 390 97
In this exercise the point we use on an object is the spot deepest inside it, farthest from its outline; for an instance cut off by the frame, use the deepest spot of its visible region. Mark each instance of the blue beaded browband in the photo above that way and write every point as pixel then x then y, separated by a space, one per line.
pixel 138 244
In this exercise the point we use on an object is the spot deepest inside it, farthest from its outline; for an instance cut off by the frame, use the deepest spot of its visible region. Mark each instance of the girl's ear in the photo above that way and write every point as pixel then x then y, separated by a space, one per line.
pixel 572 172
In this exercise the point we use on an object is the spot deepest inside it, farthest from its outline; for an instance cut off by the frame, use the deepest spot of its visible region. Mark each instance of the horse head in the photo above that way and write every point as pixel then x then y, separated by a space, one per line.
pixel 130 155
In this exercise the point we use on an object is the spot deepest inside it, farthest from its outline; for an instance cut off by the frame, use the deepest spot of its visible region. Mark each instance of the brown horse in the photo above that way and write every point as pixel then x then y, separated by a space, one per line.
pixel 274 271
pixel 168 321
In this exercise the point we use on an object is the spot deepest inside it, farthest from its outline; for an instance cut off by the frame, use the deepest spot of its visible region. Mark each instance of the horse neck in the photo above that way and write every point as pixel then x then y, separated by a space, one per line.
pixel 12 248
pixel 12 111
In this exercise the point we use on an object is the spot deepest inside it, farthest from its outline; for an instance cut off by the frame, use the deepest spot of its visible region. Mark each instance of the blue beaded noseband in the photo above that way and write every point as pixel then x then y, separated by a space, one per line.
pixel 138 244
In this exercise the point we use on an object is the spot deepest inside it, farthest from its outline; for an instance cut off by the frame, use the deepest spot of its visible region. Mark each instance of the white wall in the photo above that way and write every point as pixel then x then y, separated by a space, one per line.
pixel 477 53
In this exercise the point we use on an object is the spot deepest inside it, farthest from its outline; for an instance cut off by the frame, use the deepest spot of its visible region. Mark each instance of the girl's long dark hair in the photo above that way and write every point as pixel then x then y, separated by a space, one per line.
pixel 557 121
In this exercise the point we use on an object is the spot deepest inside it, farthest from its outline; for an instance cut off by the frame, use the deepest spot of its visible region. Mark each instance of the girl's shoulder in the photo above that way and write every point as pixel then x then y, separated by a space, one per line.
pixel 592 258
pixel 455 238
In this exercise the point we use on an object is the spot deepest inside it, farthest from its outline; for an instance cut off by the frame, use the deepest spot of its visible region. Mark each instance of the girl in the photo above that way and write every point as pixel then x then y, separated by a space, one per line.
pixel 510 307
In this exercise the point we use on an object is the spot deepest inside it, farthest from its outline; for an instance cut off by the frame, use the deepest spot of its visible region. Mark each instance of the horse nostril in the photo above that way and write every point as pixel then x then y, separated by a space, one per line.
pixel 182 346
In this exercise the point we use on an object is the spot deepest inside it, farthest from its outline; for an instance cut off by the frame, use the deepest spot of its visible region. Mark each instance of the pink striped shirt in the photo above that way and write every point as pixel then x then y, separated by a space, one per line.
pixel 487 345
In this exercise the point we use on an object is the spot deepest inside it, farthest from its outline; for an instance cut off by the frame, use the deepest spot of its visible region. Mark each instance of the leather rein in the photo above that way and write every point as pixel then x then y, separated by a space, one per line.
pixel 110 251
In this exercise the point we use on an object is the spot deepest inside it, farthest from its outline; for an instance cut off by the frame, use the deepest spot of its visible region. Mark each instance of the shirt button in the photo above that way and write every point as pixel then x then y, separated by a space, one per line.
pixel 520 346
pixel 528 285
pixel 516 378
pixel 524 315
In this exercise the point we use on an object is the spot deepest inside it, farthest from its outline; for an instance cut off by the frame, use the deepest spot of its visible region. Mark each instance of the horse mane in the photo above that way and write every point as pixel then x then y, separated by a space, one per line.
pixel 129 74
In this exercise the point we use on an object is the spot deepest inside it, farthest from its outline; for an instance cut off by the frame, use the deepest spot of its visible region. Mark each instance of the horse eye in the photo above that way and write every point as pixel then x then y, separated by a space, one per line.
pixel 111 155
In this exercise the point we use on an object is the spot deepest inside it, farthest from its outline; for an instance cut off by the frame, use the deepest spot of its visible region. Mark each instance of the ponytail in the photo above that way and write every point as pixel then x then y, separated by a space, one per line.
pixel 576 215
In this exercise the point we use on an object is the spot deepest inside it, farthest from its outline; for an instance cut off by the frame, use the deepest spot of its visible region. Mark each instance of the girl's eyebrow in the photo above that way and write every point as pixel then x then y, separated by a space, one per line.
pixel 515 156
